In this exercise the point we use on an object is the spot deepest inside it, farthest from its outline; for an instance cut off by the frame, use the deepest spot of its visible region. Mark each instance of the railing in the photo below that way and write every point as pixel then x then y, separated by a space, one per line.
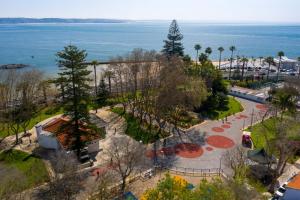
pixel 196 172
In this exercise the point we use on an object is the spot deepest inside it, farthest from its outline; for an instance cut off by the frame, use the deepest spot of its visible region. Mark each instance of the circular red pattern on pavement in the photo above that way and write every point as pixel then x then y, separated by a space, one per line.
pixel 244 116
pixel 261 107
pixel 226 126
pixel 188 150
pixel 167 151
pixel 217 129
pixel 219 141
pixel 209 148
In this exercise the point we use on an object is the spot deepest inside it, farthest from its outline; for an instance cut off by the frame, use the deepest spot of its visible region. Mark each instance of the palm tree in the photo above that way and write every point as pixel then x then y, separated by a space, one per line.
pixel 197 48
pixel 280 55
pixel 244 61
pixel 260 58
pixel 270 61
pixel 232 49
pixel 95 63
pixel 203 58
pixel 208 51
pixel 220 49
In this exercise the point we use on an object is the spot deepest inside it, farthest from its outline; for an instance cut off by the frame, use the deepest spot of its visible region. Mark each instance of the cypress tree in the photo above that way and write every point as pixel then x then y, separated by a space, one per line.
pixel 76 89
pixel 173 45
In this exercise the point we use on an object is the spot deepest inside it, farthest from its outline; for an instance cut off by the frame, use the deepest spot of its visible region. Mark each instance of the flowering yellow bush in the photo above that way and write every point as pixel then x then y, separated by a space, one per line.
pixel 181 181
pixel 167 187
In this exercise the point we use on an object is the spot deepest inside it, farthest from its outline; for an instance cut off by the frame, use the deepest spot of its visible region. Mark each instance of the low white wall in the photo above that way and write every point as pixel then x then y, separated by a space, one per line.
pixel 247 96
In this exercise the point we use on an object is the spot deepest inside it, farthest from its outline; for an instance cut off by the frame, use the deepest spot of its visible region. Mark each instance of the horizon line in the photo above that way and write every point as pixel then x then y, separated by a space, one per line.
pixel 164 20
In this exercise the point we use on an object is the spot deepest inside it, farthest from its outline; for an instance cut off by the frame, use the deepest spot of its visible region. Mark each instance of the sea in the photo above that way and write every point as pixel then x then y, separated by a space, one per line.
pixel 37 44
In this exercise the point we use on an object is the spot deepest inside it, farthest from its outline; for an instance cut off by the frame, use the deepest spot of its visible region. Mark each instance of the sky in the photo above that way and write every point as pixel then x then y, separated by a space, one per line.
pixel 200 10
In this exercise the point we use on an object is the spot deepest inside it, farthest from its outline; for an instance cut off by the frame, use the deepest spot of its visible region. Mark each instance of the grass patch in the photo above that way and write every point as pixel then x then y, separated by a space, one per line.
pixel 139 131
pixel 20 171
pixel 41 115
pixel 267 128
pixel 259 187
pixel 260 131
pixel 233 107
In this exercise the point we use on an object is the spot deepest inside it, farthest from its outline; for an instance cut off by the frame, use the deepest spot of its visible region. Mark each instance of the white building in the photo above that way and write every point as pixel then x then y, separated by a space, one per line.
pixel 286 63
pixel 56 135
pixel 260 96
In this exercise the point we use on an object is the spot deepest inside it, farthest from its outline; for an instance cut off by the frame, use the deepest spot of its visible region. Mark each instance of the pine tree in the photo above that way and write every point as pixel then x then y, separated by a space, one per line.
pixel 102 93
pixel 173 45
pixel 76 89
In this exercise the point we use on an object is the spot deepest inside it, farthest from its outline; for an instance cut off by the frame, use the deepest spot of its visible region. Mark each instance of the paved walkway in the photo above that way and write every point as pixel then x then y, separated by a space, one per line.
pixel 208 141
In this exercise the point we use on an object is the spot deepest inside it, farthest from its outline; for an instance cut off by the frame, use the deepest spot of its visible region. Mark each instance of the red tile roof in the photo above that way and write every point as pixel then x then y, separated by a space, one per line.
pixel 295 183
pixel 64 134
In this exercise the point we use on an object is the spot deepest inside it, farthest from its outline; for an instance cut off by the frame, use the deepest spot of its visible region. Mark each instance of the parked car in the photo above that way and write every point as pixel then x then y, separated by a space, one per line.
pixel 280 191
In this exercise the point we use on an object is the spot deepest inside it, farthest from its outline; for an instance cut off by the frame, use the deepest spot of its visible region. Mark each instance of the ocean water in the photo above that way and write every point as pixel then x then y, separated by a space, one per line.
pixel 37 44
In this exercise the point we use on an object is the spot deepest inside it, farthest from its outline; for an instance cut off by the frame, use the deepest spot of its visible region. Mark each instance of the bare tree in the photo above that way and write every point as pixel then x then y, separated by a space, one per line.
pixel 126 157
pixel 66 182
pixel 236 160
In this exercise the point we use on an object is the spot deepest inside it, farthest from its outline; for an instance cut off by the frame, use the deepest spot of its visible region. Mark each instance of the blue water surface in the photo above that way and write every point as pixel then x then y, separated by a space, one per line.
pixel 37 44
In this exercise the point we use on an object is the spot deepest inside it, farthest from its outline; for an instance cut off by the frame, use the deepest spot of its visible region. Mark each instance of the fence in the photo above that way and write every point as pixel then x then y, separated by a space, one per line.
pixel 196 172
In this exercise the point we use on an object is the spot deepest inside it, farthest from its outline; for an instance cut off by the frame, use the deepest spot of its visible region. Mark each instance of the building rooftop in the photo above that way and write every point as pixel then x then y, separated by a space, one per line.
pixel 62 129
pixel 295 183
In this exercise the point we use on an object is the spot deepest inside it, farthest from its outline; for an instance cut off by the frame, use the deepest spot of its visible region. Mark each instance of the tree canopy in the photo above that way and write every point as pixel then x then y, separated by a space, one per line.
pixel 173 45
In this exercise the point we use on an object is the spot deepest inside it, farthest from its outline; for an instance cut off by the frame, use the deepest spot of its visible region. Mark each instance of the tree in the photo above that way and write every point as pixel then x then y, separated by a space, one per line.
pixel 102 94
pixel 232 49
pixel 66 182
pixel 126 155
pixel 236 160
pixel 260 59
pixel 169 188
pixel 280 55
pixel 285 99
pixel 173 45
pixel 74 72
pixel 208 51
pixel 244 61
pixel 108 74
pixel 203 58
pixel 270 61
pixel 220 49
pixel 95 63
pixel 197 47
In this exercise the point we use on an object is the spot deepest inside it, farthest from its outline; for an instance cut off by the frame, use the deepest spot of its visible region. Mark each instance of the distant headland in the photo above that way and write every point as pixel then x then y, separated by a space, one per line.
pixel 57 20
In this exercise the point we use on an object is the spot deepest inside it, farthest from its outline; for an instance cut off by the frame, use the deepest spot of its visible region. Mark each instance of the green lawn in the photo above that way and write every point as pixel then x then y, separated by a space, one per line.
pixel 43 114
pixel 268 127
pixel 20 171
pixel 138 131
pixel 233 107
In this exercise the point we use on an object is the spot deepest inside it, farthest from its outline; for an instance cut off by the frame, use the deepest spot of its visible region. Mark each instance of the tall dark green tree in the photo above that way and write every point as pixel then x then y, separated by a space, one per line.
pixel 208 51
pixel 102 94
pixel 220 49
pixel 244 61
pixel 197 47
pixel 280 55
pixel 74 72
pixel 232 49
pixel 270 61
pixel 173 45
